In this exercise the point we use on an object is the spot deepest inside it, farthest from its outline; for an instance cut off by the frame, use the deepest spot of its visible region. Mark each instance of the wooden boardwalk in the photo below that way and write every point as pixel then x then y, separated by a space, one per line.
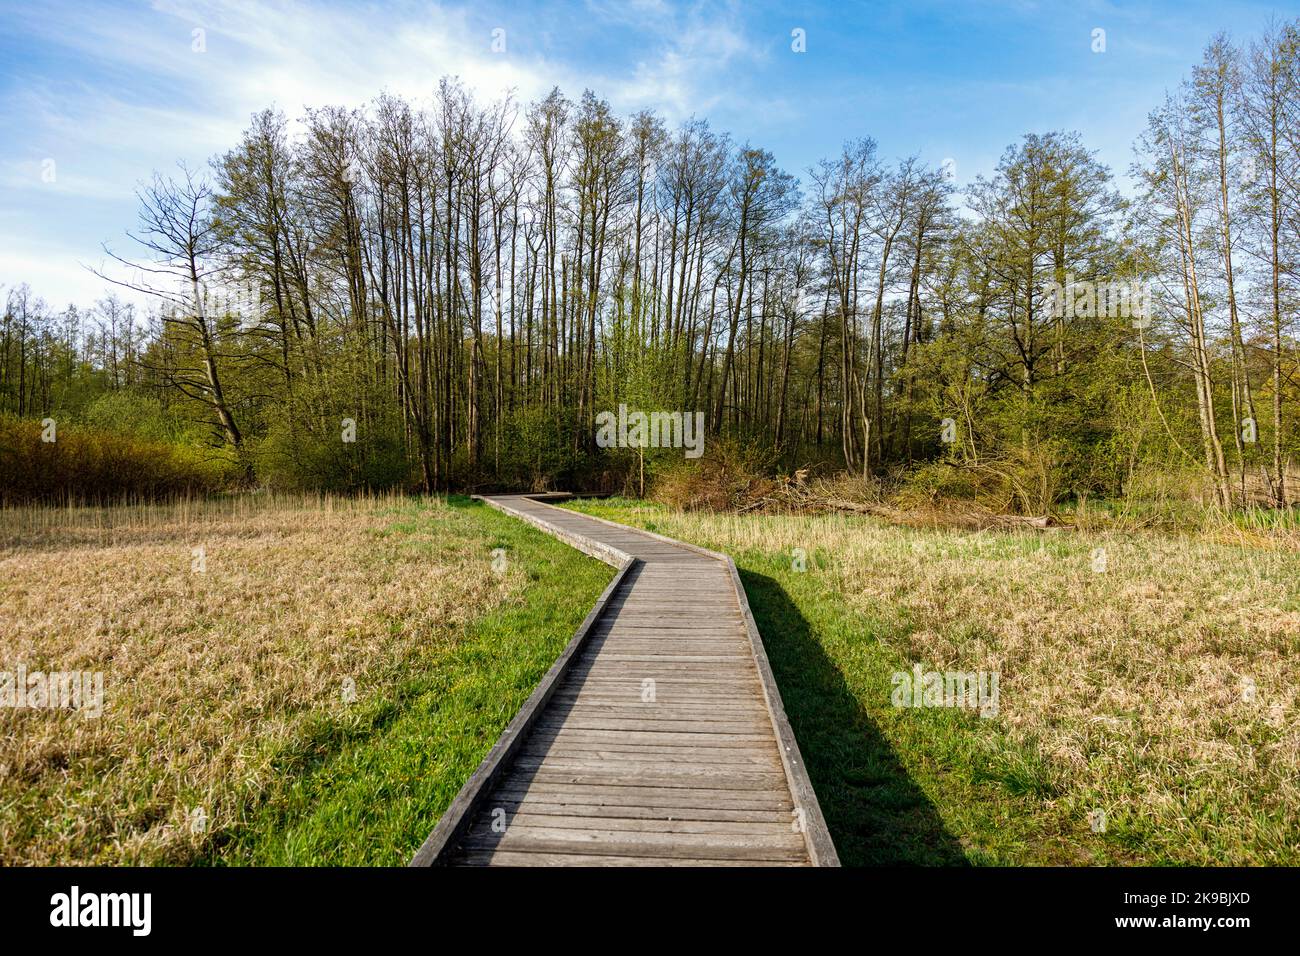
pixel 657 739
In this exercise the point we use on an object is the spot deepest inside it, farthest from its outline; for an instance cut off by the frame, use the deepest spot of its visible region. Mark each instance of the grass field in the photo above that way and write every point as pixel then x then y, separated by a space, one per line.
pixel 313 686
pixel 1148 676
pixel 310 681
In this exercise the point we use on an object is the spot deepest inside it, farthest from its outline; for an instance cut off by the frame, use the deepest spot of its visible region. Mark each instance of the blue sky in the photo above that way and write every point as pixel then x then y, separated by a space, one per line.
pixel 111 91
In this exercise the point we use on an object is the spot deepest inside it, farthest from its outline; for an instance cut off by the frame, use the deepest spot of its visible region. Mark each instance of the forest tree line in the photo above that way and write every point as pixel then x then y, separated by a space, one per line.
pixel 470 284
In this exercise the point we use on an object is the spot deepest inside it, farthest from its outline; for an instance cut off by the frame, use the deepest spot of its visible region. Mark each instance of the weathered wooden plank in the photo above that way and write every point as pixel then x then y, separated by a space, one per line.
pixel 751 846
pixel 687 755
pixel 682 755
pixel 700 798
pixel 661 779
pixel 720 685
pixel 668 649
pixel 532 819
pixel 669 658
pixel 719 673
pixel 635 700
pixel 653 737
pixel 737 728
pixel 665 712
pixel 726 667
pixel 524 858
pixel 657 774
pixel 671 710
pixel 578 811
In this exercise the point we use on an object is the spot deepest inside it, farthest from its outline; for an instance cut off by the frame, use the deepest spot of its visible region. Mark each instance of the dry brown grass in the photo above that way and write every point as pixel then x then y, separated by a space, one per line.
pixel 208 676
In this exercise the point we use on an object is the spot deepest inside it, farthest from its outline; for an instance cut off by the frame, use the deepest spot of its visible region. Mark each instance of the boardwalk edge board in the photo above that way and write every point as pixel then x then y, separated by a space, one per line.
pixel 452 823
pixel 451 826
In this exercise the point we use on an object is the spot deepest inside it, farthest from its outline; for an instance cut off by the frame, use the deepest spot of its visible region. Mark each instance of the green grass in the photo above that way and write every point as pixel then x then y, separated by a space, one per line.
pixel 367 787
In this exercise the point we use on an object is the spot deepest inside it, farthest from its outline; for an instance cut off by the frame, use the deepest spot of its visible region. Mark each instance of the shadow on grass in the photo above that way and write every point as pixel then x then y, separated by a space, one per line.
pixel 875 812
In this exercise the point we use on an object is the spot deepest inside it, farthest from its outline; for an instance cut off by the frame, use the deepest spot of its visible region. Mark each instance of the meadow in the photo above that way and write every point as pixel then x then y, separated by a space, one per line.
pixel 291 680
pixel 310 679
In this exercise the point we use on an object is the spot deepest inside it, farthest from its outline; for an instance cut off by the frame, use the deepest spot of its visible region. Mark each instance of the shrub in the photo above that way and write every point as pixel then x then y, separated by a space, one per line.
pixel 90 465
pixel 141 415
pixel 295 459
pixel 1023 480
pixel 729 475
pixel 926 485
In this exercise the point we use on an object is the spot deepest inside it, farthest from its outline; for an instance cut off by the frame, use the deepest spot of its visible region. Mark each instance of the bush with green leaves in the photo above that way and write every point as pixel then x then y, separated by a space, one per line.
pixel 295 458
pixel 144 416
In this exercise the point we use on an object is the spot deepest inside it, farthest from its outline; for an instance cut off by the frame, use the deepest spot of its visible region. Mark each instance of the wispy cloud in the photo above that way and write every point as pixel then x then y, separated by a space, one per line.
pixel 133 89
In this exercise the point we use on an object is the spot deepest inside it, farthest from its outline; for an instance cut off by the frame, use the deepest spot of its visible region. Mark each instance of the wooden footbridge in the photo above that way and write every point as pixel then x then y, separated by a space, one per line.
pixel 657 739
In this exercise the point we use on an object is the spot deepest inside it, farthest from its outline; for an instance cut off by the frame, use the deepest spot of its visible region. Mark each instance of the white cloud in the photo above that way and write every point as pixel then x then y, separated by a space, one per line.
pixel 59 273
pixel 141 97
pixel 691 71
